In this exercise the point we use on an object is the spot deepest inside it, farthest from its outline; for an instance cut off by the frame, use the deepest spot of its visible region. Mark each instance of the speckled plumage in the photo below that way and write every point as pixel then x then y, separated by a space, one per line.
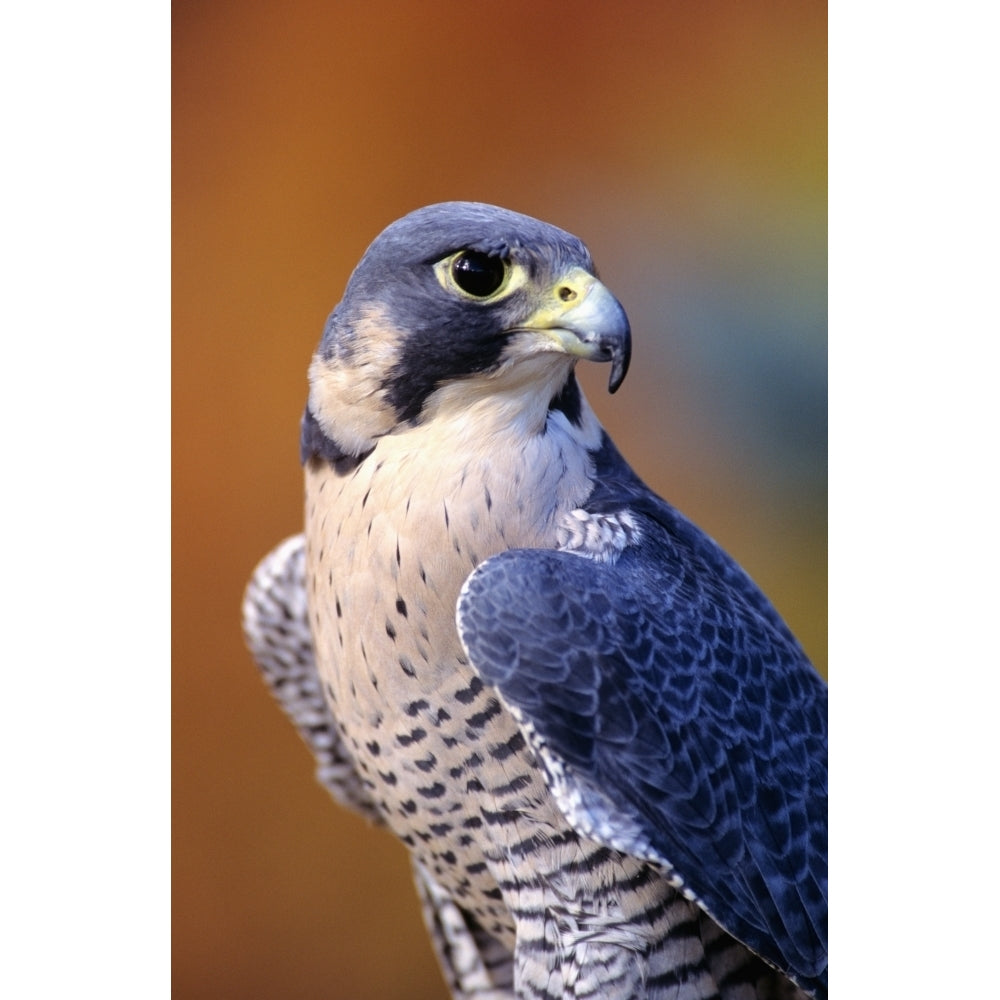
pixel 610 770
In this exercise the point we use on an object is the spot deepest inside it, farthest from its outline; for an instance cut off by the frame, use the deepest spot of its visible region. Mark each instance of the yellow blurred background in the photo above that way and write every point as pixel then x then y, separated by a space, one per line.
pixel 684 142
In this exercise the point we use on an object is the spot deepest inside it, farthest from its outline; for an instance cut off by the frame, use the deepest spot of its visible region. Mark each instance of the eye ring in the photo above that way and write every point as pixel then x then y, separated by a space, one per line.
pixel 478 274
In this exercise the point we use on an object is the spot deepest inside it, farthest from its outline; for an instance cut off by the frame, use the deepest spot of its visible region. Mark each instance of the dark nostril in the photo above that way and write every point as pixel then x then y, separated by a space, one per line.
pixel 567 294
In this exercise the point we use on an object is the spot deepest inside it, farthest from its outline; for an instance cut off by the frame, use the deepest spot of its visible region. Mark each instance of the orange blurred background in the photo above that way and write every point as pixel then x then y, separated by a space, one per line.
pixel 684 142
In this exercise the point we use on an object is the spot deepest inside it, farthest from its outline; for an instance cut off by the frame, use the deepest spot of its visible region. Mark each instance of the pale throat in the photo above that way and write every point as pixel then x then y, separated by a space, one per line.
pixel 473 478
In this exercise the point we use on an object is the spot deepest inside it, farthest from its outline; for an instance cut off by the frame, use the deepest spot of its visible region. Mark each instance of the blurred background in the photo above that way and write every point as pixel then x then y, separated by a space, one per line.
pixel 684 143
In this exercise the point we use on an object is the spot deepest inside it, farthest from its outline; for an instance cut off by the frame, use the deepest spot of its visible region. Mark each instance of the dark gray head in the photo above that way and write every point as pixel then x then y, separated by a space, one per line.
pixel 402 252
pixel 451 292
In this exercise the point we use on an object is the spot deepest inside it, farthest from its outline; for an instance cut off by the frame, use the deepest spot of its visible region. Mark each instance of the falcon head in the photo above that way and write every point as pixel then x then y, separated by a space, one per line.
pixel 451 305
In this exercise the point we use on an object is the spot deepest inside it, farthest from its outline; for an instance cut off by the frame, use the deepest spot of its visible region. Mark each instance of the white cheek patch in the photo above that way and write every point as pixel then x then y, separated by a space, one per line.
pixel 346 395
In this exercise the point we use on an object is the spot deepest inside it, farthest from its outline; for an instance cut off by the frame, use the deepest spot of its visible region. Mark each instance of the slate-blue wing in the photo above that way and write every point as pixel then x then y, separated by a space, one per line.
pixel 685 721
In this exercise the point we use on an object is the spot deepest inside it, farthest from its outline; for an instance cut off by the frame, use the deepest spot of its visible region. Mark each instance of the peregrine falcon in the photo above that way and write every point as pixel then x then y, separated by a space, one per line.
pixel 602 746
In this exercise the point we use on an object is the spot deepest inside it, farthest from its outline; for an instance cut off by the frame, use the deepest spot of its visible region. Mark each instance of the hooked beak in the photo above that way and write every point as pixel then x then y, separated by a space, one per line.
pixel 583 319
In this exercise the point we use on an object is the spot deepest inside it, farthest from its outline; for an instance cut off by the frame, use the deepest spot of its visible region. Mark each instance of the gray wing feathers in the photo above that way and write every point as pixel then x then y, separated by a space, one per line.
pixel 672 715
pixel 276 628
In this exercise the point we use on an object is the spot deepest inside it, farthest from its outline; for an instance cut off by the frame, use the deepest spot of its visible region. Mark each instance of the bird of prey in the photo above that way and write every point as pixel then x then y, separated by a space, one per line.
pixel 602 746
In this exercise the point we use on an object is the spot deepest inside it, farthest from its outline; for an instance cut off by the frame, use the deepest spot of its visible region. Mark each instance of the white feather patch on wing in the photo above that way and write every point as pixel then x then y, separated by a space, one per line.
pixel 602 537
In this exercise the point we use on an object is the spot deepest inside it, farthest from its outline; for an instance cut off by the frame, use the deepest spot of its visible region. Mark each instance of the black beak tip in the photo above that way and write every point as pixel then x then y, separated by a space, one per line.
pixel 621 355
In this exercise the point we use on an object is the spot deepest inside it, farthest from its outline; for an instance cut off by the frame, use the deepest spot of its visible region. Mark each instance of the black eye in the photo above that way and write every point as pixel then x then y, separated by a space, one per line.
pixel 478 274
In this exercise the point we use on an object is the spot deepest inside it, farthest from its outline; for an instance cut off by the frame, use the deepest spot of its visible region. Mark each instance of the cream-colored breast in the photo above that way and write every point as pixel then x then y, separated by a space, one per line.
pixel 389 546
pixel 391 542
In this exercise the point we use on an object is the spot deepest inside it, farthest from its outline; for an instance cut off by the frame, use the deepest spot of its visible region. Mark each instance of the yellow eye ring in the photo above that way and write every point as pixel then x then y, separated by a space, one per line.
pixel 478 276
